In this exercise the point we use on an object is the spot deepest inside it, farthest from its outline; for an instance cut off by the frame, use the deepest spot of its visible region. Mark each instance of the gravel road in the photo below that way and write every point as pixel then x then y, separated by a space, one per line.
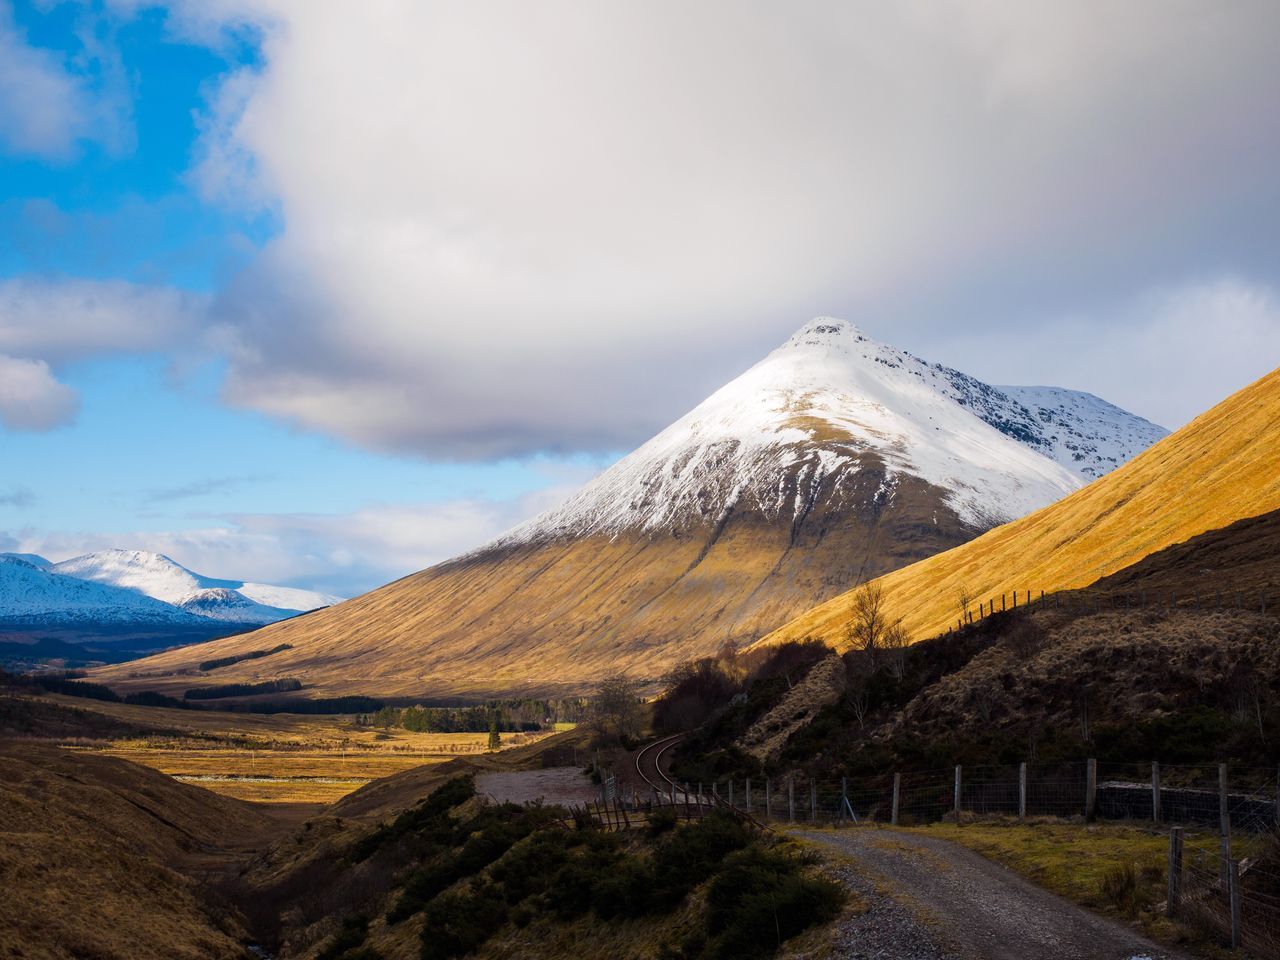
pixel 931 899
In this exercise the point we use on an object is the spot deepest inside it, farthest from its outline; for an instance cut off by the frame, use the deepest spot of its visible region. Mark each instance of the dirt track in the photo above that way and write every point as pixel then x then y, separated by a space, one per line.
pixel 972 908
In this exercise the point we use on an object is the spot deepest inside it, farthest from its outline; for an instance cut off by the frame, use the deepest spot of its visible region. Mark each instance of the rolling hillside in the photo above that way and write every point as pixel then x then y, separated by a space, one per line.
pixel 1221 468
pixel 834 459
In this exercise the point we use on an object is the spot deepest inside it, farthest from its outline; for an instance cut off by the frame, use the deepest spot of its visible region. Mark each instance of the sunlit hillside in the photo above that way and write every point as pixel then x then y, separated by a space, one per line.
pixel 1223 466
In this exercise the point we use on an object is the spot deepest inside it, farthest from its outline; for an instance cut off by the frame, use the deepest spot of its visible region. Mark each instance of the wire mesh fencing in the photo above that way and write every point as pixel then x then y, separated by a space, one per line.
pixel 1228 877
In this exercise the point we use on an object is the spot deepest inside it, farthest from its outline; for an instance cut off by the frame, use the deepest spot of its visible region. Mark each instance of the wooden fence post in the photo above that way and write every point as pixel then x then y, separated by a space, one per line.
pixel 1022 791
pixel 768 799
pixel 748 796
pixel 731 791
pixel 957 795
pixel 1002 603
pixel 791 799
pixel 1090 789
pixel 897 795
pixel 1233 892
pixel 844 796
pixel 1224 822
pixel 1155 790
pixel 813 800
pixel 1174 900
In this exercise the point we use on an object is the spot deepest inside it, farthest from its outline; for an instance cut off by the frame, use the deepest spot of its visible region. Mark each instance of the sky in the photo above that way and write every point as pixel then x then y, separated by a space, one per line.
pixel 319 295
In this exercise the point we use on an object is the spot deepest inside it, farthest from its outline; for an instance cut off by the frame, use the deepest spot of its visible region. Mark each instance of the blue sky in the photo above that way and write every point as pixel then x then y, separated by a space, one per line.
pixel 320 297
pixel 152 451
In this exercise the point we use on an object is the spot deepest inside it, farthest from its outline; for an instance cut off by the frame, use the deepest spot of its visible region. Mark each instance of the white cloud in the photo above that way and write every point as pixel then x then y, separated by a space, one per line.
pixel 1167 354
pixel 512 227
pixel 70 319
pixel 337 553
pixel 47 105
pixel 31 398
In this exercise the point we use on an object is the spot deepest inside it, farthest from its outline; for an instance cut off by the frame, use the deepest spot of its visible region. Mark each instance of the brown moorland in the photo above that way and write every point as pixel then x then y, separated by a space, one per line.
pixel 554 617
pixel 103 858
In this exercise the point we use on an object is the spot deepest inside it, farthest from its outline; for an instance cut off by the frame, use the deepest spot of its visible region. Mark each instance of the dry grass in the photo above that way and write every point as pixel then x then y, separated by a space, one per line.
pixel 278 758
pixel 1112 868
pixel 1222 467
pixel 94 854
pixel 554 617
pixel 1146 661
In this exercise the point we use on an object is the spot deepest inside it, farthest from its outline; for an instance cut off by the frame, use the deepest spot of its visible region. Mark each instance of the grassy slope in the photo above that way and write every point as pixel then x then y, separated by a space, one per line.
pixel 93 852
pixel 1222 467
pixel 552 617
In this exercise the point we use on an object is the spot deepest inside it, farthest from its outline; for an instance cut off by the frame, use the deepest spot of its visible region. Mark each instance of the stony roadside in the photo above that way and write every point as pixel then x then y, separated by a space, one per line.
pixel 931 899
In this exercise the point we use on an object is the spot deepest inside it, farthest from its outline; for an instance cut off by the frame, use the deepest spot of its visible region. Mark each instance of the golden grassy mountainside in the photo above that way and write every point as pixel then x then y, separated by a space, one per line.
pixel 556 616
pixel 1220 468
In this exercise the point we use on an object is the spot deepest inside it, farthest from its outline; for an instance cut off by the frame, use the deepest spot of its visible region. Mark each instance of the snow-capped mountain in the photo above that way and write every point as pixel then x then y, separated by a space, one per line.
pixel 32 594
pixel 825 400
pixel 833 460
pixel 155 575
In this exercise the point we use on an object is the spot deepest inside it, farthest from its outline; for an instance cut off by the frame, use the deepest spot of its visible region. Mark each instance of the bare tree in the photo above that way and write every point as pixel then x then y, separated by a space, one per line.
pixel 868 621
pixel 964 600
pixel 615 708
pixel 895 644
pixel 859 697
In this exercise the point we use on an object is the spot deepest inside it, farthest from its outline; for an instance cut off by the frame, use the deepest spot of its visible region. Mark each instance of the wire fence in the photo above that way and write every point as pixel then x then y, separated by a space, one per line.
pixel 1233 898
pixel 1240 799
pixel 1095 600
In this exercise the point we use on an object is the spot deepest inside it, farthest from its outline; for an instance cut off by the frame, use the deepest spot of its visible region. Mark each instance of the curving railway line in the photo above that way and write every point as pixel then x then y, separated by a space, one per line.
pixel 649 766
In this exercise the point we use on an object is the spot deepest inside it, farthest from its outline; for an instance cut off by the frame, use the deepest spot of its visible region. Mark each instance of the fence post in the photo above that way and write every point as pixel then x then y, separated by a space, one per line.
pixel 1233 891
pixel 1155 790
pixel 731 791
pixel 1174 901
pixel 957 795
pixel 748 796
pixel 673 793
pixel 897 795
pixel 791 799
pixel 1090 788
pixel 1224 822
pixel 844 795
pixel 1022 790
pixel 813 800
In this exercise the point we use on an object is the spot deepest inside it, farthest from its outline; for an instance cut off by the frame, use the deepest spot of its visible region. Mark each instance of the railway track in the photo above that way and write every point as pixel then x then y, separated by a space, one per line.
pixel 649 766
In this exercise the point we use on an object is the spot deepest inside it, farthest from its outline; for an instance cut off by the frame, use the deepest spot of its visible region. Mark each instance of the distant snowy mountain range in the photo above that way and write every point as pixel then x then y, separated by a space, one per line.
pixel 134 587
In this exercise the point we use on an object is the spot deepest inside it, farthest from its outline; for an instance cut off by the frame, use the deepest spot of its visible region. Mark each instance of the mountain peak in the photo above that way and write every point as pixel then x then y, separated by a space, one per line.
pixel 827 331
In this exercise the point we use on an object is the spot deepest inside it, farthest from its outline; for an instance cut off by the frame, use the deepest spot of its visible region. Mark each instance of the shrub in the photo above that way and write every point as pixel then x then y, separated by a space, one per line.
pixel 457 923
pixel 353 933
pixel 429 819
pixel 661 820
pixel 760 899
pixel 691 854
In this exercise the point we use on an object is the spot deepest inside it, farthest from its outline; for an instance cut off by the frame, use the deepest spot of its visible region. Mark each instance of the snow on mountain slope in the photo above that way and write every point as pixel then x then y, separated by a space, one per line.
pixel 834 460
pixel 1082 432
pixel 155 575
pixel 830 396
pixel 32 558
pixel 29 593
